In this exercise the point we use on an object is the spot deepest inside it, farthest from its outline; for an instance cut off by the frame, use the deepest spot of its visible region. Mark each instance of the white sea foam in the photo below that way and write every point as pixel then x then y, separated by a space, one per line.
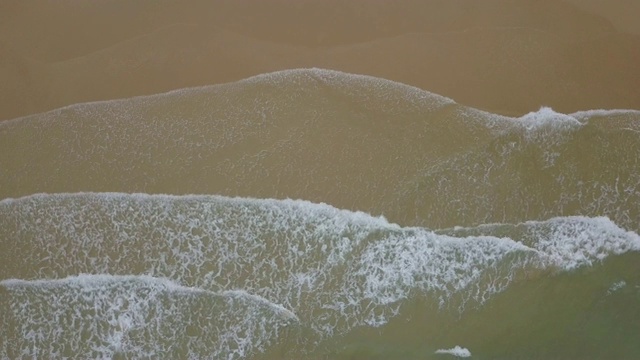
pixel 548 129
pixel 455 351
pixel 545 117
pixel 566 242
pixel 616 286
pixel 587 114
pixel 335 269
pixel 572 242
pixel 102 315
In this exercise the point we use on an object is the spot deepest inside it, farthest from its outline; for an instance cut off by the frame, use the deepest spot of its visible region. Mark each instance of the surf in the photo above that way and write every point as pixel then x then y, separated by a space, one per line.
pixel 105 316
pixel 337 270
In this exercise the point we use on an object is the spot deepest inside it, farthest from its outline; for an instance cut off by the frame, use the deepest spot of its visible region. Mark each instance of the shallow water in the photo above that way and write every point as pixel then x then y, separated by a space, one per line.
pixel 111 274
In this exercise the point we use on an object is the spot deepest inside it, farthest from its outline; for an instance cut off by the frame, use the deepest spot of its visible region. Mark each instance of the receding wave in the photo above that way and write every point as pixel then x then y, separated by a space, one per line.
pixel 336 270
pixel 356 142
pixel 312 134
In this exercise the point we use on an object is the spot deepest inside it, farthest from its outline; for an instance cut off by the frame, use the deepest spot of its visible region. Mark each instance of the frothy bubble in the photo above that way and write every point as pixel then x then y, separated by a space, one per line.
pixel 332 270
pixel 456 351
pixel 101 316
pixel 545 117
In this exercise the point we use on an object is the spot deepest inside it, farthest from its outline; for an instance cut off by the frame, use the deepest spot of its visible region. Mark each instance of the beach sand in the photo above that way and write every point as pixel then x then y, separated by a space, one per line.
pixel 509 57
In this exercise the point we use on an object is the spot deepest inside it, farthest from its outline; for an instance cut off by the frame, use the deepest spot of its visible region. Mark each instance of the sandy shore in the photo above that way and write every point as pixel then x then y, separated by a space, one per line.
pixel 504 56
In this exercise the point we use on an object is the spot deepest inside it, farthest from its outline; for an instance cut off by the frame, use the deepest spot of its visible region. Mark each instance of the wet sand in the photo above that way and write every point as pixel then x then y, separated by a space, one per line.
pixel 509 57
pixel 623 14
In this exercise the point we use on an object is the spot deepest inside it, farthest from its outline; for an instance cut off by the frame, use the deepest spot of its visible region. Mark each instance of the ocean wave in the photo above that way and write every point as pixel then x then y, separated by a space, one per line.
pixel 104 316
pixel 335 269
